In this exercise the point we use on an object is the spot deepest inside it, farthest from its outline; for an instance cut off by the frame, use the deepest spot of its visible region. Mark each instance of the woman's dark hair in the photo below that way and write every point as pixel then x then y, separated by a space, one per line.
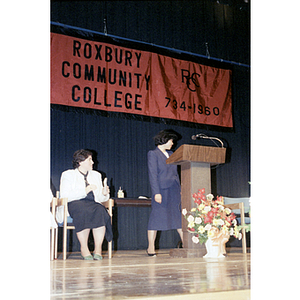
pixel 165 135
pixel 80 155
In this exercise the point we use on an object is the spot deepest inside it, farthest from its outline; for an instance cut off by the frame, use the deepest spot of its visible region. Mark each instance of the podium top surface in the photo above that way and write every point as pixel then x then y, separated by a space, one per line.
pixel 196 153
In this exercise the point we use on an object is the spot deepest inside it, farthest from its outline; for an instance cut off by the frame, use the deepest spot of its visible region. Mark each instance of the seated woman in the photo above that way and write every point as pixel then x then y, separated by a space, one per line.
pixel 84 189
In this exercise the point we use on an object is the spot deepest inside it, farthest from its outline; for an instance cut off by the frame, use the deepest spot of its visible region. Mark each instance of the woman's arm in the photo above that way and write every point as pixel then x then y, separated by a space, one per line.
pixel 153 176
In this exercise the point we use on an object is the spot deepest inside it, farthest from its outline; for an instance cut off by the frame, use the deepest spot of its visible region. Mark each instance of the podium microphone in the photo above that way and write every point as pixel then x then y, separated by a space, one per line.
pixel 203 136
pixel 199 135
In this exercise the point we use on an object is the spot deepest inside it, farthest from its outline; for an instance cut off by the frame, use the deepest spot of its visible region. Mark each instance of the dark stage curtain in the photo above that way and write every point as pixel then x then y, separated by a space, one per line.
pixel 121 147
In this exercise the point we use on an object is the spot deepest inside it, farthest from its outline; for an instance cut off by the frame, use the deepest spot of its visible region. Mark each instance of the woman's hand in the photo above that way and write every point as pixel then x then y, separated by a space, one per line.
pixel 158 198
pixel 105 190
pixel 90 187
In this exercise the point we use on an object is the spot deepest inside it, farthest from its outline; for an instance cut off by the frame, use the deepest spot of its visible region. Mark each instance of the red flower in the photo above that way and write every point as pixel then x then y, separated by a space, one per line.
pixel 207 219
pixel 210 214
pixel 215 210
pixel 232 216
pixel 192 229
pixel 197 201
pixel 202 191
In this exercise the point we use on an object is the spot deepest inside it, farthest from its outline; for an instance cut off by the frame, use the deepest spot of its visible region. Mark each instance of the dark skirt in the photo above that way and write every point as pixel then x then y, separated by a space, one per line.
pixel 167 215
pixel 88 214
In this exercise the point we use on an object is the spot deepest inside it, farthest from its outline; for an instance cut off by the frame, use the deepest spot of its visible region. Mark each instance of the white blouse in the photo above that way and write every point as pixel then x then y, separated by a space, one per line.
pixel 72 185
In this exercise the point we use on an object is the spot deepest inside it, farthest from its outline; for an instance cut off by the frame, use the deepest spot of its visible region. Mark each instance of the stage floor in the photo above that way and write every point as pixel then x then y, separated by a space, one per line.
pixel 132 275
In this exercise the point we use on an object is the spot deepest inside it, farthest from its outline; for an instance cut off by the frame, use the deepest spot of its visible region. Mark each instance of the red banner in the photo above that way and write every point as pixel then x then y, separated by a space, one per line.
pixel 104 76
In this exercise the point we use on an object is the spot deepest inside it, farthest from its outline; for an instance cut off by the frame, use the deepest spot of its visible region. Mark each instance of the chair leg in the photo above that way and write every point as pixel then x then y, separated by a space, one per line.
pixel 244 241
pixel 244 245
pixel 56 243
pixel 110 243
pixel 52 244
pixel 65 242
pixel 110 249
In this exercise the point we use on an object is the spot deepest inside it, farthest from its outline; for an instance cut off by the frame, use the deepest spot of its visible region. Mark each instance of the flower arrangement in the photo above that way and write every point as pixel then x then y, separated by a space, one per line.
pixel 210 219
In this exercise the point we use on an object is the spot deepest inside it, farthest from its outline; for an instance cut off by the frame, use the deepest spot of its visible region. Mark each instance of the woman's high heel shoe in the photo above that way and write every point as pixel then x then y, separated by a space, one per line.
pixel 151 254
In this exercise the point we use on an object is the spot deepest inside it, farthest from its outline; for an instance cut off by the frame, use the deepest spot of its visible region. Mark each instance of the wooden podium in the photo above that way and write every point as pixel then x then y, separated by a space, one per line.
pixel 195 162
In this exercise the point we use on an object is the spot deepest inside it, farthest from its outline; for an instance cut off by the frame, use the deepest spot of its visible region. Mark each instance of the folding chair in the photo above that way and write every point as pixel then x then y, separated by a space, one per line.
pixel 53 243
pixel 241 204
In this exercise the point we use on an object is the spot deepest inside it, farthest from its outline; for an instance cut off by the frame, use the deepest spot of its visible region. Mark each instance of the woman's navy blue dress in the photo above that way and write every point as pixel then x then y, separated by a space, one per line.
pixel 164 180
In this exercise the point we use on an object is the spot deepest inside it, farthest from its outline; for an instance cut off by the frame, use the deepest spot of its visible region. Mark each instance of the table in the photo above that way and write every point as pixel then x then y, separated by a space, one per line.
pixel 132 202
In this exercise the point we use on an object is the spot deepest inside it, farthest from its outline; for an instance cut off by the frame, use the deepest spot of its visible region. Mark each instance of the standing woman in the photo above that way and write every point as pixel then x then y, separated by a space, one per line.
pixel 84 189
pixel 165 186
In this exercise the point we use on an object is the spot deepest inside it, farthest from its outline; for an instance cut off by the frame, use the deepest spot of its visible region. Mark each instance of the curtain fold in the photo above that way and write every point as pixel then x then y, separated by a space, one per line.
pixel 121 147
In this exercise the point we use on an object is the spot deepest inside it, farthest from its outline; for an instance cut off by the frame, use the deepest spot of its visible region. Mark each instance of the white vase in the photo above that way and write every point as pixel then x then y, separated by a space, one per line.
pixel 213 250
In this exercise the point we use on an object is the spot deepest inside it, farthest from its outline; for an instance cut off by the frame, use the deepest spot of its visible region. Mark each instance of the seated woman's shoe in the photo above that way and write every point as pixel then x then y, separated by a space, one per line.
pixel 89 257
pixel 98 257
